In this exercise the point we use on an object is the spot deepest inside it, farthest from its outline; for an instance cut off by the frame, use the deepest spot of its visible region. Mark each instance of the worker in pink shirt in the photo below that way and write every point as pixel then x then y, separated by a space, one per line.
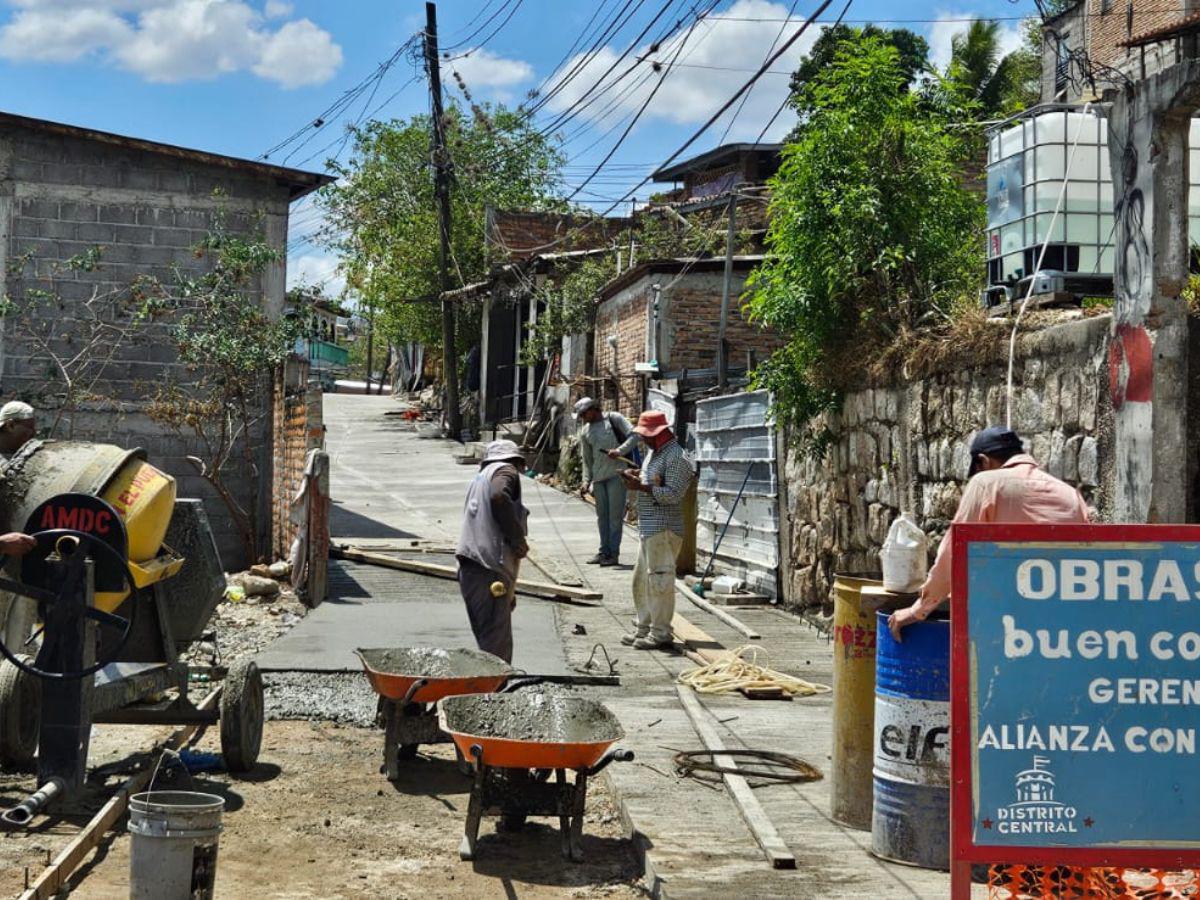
pixel 1006 485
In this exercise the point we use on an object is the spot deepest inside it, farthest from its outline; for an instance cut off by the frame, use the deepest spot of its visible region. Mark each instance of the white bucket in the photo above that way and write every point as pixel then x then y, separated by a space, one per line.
pixel 173 852
pixel 905 556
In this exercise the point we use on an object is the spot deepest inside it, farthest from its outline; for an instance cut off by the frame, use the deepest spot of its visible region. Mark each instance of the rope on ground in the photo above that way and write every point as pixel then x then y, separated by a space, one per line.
pixel 741 670
pixel 767 765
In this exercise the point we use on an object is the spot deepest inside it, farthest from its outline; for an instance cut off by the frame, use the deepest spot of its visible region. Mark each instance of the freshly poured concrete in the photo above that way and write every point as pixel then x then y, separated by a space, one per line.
pixel 531 716
pixel 433 662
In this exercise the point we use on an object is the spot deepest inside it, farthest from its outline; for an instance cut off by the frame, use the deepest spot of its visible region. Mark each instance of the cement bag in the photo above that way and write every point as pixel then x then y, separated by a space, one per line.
pixel 905 556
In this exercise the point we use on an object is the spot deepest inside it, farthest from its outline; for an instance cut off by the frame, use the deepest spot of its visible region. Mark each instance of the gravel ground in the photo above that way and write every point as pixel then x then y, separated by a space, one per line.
pixel 245 627
pixel 343 697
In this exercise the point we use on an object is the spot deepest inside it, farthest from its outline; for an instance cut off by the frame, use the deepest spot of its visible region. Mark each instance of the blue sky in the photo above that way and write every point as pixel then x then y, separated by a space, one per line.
pixel 240 76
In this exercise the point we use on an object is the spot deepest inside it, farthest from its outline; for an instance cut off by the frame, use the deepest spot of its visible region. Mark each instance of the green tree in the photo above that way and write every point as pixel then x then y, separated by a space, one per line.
pixel 912 50
pixel 230 349
pixel 382 215
pixel 871 231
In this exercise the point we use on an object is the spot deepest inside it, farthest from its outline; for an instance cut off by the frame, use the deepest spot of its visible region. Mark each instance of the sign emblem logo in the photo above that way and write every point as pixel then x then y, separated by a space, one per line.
pixel 1036 811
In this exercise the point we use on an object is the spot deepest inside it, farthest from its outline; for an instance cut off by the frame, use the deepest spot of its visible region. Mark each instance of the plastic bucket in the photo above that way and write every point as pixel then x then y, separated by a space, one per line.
pixel 911 815
pixel 173 854
pixel 903 568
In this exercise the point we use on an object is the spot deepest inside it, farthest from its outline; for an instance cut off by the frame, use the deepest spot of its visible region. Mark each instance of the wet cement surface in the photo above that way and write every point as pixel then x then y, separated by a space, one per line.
pixel 545 718
pixel 434 662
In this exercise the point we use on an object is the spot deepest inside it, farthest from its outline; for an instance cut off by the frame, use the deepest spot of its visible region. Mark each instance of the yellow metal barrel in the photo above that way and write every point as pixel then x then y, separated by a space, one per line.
pixel 854 636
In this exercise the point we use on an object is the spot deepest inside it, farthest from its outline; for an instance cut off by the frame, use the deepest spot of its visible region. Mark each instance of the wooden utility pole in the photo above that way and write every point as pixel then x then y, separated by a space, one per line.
pixel 370 346
pixel 442 192
pixel 722 349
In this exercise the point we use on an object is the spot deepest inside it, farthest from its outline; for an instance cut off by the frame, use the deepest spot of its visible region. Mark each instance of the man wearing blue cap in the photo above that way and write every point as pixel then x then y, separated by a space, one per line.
pixel 1006 485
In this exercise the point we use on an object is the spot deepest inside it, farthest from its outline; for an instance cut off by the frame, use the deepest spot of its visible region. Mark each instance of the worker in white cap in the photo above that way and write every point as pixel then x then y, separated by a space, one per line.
pixel 491 546
pixel 603 439
pixel 18 425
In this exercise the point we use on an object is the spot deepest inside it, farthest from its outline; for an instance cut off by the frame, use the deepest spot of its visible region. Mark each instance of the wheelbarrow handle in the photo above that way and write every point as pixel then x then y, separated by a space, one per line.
pixel 617 754
pixel 412 690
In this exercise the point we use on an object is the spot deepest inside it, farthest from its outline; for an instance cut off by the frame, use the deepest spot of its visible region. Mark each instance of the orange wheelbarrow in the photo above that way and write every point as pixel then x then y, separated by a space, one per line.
pixel 410 680
pixel 515 741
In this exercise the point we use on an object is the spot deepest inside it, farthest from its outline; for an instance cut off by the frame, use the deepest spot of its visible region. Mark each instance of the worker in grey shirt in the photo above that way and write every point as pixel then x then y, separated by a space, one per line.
pixel 491 547
pixel 603 437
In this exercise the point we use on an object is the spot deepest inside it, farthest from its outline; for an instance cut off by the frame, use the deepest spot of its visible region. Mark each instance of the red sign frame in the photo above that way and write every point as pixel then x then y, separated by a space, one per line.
pixel 963 850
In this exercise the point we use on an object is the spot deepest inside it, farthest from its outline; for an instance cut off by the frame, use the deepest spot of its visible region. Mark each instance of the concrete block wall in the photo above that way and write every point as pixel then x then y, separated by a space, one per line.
pixel 61 195
pixel 903 446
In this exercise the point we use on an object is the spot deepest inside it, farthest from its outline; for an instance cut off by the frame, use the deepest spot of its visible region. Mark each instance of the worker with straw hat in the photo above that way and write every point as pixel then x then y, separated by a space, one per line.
pixel 661 485
pixel 491 547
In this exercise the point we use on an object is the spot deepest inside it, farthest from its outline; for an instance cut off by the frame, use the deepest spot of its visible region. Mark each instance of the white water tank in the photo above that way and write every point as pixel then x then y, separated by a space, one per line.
pixel 1027 164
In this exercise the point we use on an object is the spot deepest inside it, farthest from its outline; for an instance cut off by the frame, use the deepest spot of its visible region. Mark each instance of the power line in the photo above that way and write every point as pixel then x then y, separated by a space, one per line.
pixel 783 105
pixel 746 98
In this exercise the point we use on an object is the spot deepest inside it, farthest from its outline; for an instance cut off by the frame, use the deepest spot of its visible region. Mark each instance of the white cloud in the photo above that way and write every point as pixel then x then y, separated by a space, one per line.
pixel 316 269
pixel 948 24
pixel 173 40
pixel 61 35
pixel 484 69
pixel 718 59
pixel 299 53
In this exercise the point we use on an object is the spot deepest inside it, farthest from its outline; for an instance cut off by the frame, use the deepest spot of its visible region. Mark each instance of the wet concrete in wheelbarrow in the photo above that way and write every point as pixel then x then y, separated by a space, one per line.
pixel 538 717
pixel 434 662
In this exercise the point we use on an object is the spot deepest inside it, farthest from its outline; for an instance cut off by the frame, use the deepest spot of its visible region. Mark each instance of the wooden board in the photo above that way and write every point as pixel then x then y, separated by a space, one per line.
pixel 58 873
pixel 528 588
pixel 734 623
pixel 760 825
pixel 699 646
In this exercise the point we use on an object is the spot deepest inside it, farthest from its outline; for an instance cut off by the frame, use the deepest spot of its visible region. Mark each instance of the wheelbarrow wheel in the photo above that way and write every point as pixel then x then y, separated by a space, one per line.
pixel 20 712
pixel 242 716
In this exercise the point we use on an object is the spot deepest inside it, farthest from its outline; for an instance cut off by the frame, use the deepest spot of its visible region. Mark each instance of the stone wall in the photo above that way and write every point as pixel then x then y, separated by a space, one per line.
pixel 62 195
pixel 904 446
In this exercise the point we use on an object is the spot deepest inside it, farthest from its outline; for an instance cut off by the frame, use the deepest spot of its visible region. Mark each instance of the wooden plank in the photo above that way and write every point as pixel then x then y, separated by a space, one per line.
pixel 760 825
pixel 698 645
pixel 528 588
pixel 56 875
pixel 734 623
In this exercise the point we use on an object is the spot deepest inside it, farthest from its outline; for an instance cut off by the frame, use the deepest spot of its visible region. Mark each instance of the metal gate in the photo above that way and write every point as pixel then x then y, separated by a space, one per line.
pixel 735 447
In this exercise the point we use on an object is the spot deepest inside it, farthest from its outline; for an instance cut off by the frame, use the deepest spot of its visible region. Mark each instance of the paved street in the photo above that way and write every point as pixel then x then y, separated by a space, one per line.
pixel 390 488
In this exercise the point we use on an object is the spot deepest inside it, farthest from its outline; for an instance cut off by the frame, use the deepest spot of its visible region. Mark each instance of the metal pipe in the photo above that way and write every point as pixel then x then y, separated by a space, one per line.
pixel 616 755
pixel 22 814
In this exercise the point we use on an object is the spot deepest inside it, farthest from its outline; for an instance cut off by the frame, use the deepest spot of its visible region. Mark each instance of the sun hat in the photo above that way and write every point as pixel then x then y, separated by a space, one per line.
pixel 502 451
pixel 652 423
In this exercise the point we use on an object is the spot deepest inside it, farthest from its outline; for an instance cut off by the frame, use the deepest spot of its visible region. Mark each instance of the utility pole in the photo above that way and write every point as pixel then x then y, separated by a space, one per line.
pixel 370 345
pixel 722 350
pixel 442 192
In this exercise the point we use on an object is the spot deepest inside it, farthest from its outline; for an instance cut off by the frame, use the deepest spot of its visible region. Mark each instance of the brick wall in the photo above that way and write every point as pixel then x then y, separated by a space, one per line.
pixel 689 310
pixel 1113 21
pixel 298 428
pixel 62 195
pixel 520 235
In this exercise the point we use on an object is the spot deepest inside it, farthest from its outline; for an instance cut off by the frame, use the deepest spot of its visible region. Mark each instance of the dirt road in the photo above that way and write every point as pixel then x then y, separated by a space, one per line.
pixel 317 819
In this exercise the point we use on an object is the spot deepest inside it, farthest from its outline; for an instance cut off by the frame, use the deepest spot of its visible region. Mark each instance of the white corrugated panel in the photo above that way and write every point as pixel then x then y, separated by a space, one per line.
pixel 735 447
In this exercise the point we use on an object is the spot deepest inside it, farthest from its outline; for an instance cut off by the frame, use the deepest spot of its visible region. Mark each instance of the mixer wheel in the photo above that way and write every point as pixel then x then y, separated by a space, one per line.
pixel 242 716
pixel 20 712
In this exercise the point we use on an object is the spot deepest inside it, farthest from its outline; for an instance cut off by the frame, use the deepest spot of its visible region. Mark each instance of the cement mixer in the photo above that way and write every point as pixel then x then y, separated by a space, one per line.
pixel 124 578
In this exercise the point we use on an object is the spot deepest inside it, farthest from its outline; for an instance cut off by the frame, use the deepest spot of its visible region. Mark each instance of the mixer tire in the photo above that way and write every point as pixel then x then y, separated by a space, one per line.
pixel 20 713
pixel 242 716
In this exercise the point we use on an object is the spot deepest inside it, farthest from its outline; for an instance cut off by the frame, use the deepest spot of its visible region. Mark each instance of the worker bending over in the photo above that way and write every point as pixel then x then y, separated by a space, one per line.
pixel 491 547
pixel 661 485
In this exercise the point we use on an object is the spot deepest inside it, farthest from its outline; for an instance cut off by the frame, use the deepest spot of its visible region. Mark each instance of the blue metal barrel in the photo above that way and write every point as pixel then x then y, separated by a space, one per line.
pixel 910 822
